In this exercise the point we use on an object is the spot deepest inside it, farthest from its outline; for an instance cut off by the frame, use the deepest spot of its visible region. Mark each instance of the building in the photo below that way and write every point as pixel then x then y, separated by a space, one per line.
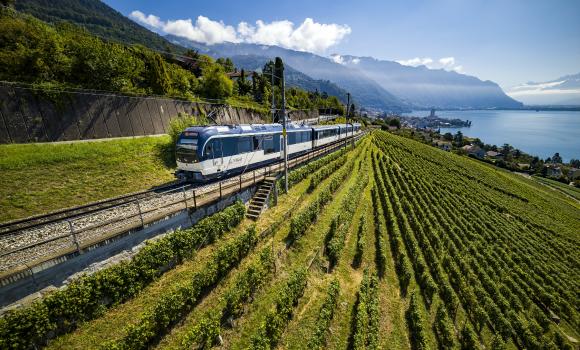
pixel 444 145
pixel 493 155
pixel 573 174
pixel 474 151
pixel 553 170
pixel 238 74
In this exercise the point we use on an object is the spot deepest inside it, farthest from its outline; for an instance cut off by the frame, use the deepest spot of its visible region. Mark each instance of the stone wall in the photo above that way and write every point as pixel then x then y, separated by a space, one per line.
pixel 29 116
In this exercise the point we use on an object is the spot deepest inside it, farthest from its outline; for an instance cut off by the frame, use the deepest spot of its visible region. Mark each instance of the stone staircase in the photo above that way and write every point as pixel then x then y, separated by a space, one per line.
pixel 261 198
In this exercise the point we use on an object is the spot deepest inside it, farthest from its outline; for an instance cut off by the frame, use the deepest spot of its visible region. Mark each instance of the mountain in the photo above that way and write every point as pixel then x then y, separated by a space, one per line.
pixel 293 76
pixel 363 89
pixel 98 18
pixel 374 84
pixel 426 88
pixel 562 91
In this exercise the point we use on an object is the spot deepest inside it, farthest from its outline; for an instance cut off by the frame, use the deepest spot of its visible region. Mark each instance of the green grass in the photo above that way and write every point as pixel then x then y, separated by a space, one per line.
pixel 514 214
pixel 38 178
pixel 567 189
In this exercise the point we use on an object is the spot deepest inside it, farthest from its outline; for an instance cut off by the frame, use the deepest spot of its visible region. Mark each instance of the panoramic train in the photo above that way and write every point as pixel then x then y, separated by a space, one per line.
pixel 204 153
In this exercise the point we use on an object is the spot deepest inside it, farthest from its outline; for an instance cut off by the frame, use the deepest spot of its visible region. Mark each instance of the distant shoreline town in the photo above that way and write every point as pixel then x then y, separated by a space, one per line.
pixel 427 130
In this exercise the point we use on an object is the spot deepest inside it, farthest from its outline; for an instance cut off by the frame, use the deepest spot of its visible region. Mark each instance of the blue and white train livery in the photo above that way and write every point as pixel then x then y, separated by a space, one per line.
pixel 204 153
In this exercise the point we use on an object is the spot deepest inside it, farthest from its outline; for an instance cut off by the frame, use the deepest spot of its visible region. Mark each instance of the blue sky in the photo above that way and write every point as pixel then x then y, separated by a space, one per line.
pixel 507 41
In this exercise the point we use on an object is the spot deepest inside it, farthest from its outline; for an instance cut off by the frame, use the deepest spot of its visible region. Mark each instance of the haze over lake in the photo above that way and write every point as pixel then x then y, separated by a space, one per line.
pixel 538 133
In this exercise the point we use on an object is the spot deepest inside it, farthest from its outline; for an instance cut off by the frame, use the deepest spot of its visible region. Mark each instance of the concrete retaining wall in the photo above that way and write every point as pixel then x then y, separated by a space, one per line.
pixel 28 116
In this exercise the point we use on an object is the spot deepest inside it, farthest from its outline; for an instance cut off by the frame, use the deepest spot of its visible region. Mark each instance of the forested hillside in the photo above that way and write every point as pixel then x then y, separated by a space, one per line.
pixel 97 18
pixel 68 56
pixel 390 244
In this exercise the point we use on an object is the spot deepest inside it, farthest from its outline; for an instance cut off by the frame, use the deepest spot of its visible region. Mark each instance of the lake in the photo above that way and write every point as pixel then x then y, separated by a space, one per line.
pixel 537 133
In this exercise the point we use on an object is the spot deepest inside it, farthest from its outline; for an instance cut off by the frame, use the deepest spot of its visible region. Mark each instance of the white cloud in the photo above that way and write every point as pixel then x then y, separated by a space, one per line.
pixel 417 61
pixel 458 69
pixel 355 60
pixel 151 20
pixel 447 63
pixel 308 36
pixel 337 58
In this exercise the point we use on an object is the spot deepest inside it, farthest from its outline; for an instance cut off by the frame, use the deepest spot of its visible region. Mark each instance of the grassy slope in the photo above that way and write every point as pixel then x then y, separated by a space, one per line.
pixel 394 333
pixel 38 178
pixel 558 186
pixel 112 324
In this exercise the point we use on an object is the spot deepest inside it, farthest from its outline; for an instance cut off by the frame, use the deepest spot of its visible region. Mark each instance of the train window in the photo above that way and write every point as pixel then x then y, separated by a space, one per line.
pixel 244 145
pixel 293 138
pixel 268 144
pixel 229 146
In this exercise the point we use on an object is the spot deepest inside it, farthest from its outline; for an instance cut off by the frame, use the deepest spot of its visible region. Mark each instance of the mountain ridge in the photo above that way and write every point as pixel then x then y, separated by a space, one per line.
pixel 365 90
pixel 563 91
pixel 436 88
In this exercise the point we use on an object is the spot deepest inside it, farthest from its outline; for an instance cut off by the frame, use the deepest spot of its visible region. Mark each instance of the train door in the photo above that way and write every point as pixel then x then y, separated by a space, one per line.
pixel 282 146
pixel 217 156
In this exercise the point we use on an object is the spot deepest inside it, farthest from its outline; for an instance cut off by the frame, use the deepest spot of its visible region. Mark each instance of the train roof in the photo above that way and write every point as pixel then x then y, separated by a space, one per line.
pixel 208 131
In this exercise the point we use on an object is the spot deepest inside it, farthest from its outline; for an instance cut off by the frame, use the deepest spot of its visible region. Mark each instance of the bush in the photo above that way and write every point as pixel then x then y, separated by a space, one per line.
pixel 205 332
pixel 366 317
pixel 301 221
pixel 325 314
pixel 416 321
pixel 85 298
pixel 270 331
pixel 171 306
pixel 183 121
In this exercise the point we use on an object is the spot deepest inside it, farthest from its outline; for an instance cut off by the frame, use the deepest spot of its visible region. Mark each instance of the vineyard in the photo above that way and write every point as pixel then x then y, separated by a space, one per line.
pixel 391 244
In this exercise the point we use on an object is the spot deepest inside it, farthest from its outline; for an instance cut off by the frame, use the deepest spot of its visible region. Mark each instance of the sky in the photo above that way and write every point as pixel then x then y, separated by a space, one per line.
pixel 507 41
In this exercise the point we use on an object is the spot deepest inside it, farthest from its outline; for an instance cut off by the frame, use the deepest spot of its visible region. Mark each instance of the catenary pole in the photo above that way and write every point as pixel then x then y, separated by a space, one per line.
pixel 284 135
pixel 347 115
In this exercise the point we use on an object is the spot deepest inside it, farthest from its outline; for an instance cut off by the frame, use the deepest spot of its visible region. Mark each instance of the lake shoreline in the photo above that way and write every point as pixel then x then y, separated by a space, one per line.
pixel 540 133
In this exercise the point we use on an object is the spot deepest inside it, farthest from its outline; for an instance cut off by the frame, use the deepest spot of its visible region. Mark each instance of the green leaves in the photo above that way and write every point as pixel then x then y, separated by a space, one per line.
pixel 276 319
pixel 341 222
pixel 301 221
pixel 325 314
pixel 173 304
pixel 366 315
pixel 86 298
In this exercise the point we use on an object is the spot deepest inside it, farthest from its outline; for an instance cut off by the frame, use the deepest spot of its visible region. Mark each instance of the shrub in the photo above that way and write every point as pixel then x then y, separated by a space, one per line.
pixel 270 331
pixel 85 298
pixel 325 314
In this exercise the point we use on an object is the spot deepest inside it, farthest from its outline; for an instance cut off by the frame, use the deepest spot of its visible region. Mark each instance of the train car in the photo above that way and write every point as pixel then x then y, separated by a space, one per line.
pixel 204 153
pixel 326 134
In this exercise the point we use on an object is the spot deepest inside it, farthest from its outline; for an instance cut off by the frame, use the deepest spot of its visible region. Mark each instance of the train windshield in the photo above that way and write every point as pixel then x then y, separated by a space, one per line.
pixel 186 148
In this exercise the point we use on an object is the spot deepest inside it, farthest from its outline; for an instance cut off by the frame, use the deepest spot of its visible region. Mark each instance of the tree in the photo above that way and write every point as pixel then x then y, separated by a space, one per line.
pixel 458 138
pixel 506 149
pixel 448 136
pixel 556 158
pixel 227 64
pixel 395 122
pixel 215 83
pixel 278 71
pixel 158 77
pixel 244 87
pixel 351 111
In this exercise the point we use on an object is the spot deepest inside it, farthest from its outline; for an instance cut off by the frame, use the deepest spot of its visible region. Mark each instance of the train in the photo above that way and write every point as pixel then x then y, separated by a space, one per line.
pixel 206 153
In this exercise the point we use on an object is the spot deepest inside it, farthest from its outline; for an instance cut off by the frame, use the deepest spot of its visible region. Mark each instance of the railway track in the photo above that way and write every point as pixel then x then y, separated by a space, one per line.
pixel 30 242
pixel 68 213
